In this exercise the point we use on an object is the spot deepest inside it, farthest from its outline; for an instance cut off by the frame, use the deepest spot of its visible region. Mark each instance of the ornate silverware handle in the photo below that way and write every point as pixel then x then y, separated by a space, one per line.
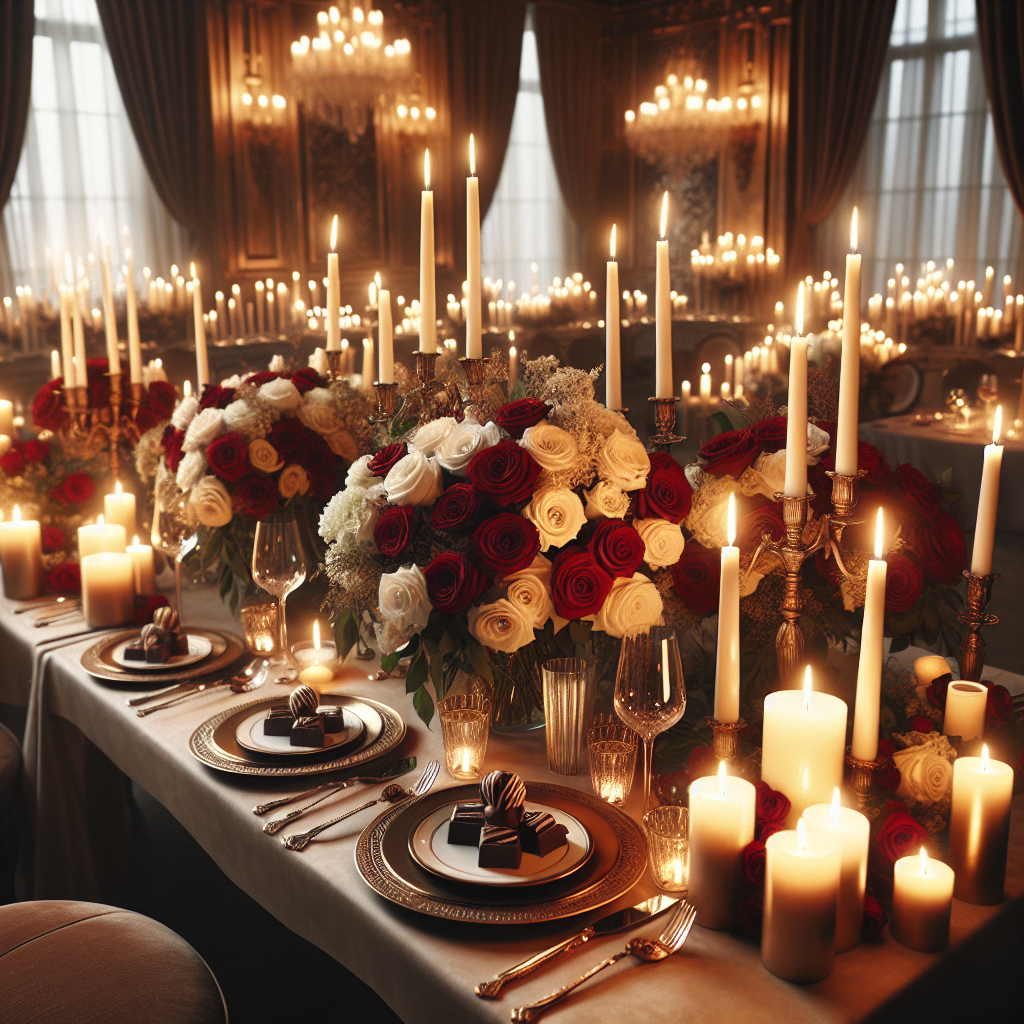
pixel 336 787
pixel 490 989
pixel 194 692
pixel 303 839
pixel 134 702
pixel 275 826
pixel 534 1010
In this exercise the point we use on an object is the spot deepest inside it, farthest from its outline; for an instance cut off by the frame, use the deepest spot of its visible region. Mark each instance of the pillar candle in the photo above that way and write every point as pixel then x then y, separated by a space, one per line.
pixel 612 353
pixel 852 831
pixel 801 891
pixel 803 745
pixel 727 657
pixel 6 417
pixel 333 293
pixel 964 715
pixel 385 337
pixel 428 291
pixel 988 502
pixel 663 314
pixel 869 670
pixel 721 825
pixel 979 827
pixel 260 287
pixel 513 363
pixel 685 406
pixel 367 362
pixel 101 536
pixel 108 589
pixel 271 312
pixel 109 318
pixel 922 899
pixel 849 370
pixel 202 363
pixel 705 388
pixel 796 427
pixel 474 343
pixel 990 280
pixel 21 554
pixel 132 315
pixel 119 508
pixel 78 334
pixel 66 343
pixel 143 573
pixel 55 369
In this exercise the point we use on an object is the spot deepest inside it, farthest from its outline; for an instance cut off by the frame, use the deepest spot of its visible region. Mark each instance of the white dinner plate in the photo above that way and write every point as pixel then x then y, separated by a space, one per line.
pixel 250 735
pixel 430 847
pixel 198 648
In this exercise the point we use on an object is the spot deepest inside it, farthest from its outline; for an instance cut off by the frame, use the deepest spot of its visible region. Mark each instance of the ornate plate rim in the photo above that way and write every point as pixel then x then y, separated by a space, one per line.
pixel 93 664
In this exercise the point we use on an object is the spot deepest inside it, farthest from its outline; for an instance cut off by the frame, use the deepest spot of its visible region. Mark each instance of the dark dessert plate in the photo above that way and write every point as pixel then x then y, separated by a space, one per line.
pixel 249 734
pixel 429 846
pixel 199 647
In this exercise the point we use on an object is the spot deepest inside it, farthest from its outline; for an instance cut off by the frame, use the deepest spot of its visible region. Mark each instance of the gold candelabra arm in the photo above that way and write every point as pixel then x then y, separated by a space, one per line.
pixel 972 647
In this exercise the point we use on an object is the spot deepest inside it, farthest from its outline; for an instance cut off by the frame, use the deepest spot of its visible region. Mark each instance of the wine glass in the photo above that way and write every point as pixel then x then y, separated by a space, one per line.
pixel 650 693
pixel 175 531
pixel 279 567
pixel 988 392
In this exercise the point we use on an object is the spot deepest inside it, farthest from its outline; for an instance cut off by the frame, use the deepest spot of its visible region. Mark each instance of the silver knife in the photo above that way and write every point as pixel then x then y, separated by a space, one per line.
pixel 618 921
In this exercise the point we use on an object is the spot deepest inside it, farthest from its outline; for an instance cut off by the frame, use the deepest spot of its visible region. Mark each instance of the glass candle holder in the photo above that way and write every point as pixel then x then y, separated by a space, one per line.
pixel 261 623
pixel 668 846
pixel 465 726
pixel 568 701
pixel 612 749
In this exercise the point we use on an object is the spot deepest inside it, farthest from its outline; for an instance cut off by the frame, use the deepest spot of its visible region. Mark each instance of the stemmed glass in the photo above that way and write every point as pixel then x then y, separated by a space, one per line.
pixel 279 567
pixel 174 532
pixel 988 392
pixel 650 693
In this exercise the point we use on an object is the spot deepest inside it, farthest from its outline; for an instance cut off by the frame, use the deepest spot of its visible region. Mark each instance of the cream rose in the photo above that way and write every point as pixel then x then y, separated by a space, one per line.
pixel 413 480
pixel 605 499
pixel 502 626
pixel 293 480
pixel 185 412
pixel 276 364
pixel 558 515
pixel 264 456
pixel 280 394
pixel 206 427
pixel 190 469
pixel 623 462
pixel 359 475
pixel 925 771
pixel 404 606
pixel 210 502
pixel 632 602
pixel 343 444
pixel 663 541
pixel 430 435
pixel 554 449
pixel 364 535
pixel 319 411
pixel 240 416
pixel 817 444
pixel 464 441
pixel 318 362
pixel 531 596
pixel 232 382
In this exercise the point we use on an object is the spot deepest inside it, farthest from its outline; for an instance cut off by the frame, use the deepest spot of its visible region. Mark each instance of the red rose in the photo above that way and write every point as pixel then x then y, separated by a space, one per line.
pixel 256 496
pixel 729 453
pixel 903 583
pixel 387 458
pixel 750 914
pixel 228 456
pixel 505 473
pixel 36 451
pixel 900 835
pixel 13 463
pixel 305 379
pixel 257 380
pixel 287 436
pixel 764 520
pixel 53 538
pixel 667 494
pixel 770 807
pixel 771 434
pixel 317 459
pixel 216 397
pixel 618 548
pixel 921 494
pixel 144 612
pixel 452 583
pixel 48 406
pixel 886 747
pixel 819 482
pixel 578 584
pixel 161 398
pixel 697 577
pixel 752 864
pixel 505 543
pixel 702 761
pixel 922 723
pixel 935 691
pixel 1000 703
pixel 887 775
pixel 77 487
pixel 875 919
pixel 940 548
pixel 172 450
pixel 65 579
pixel 394 530
pixel 515 417
pixel 456 508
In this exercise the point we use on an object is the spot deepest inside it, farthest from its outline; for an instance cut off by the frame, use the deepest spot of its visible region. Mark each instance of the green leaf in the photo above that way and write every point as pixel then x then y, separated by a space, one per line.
pixel 579 631
pixel 478 658
pixel 388 662
pixel 899 643
pixel 423 705
pixel 722 421
pixel 418 672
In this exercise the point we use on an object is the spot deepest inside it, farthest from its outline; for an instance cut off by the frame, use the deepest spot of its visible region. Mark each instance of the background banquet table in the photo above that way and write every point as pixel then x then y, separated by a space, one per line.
pixel 81 737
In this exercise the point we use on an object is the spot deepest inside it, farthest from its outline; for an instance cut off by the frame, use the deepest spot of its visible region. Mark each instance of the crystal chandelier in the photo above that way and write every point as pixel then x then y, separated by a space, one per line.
pixel 346 70
pixel 413 115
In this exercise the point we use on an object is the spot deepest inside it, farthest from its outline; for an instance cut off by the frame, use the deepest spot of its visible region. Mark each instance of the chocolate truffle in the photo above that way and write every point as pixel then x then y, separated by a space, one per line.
pixel 168 620
pixel 333 716
pixel 499 847
pixel 466 824
pixel 303 701
pixel 503 795
pixel 540 833
pixel 308 732
pixel 278 722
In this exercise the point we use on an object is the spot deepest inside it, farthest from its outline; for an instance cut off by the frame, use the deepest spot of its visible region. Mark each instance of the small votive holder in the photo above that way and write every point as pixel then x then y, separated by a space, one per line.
pixel 465 726
pixel 612 750
pixel 668 846
pixel 261 623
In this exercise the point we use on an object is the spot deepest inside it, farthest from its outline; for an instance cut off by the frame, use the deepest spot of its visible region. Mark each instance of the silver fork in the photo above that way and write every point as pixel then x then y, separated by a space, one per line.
pixel 670 941
pixel 392 794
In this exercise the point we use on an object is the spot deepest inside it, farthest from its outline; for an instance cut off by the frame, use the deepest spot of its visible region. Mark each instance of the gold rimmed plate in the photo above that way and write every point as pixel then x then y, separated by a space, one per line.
pixel 250 736
pixel 618 861
pixel 99 661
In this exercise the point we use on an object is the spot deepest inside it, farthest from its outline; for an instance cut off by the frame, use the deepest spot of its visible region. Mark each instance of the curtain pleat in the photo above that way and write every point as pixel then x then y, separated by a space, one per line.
pixel 17 27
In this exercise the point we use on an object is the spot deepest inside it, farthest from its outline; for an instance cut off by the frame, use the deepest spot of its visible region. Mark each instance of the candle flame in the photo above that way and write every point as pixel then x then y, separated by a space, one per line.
pixel 192 271
pixel 924 862
pixel 834 816
pixel 664 214
pixel 665 685
pixel 997 426
pixel 135 541
pixel 613 243
pixel 798 320
pixel 984 746
pixel 316 639
pixel 730 523
pixel 721 778
pixel 118 489
pixel 334 233
pixel 465 762
pixel 808 689
pixel 801 833
pixel 426 169
pixel 17 514
pixel 376 278
pixel 186 388
pixel 472 155
pixel 511 350
pixel 853 231
pixel 99 520
pixel 878 535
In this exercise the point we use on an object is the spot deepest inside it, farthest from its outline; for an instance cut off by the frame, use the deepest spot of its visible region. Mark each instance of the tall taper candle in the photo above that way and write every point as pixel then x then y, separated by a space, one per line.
pixel 332 313
pixel 727 657
pixel 988 502
pixel 612 357
pixel 428 296
pixel 132 314
pixel 66 343
pixel 474 342
pixel 869 671
pixel 78 332
pixel 202 362
pixel 110 318
pixel 849 370
pixel 663 313
pixel 796 427
pixel 385 339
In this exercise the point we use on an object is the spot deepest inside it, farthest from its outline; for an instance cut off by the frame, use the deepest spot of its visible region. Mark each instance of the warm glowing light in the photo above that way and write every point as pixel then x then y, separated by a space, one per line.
pixel 466 767
pixel 426 169
pixel 705 367
pixel 801 833
pixel 376 279
pixel 118 489
pixel 612 247
pixel 472 155
pixel 984 746
pixel 878 535
pixel 664 214
pixel 834 816
pixel 334 233
pixel 17 514
pixel 316 638
pixel 99 520
pixel 730 523
pixel 997 426
pixel 512 350
pixel 798 320
pixel 721 778
pixel 192 271
pixel 924 862
pixel 186 388
pixel 853 231
pixel 808 689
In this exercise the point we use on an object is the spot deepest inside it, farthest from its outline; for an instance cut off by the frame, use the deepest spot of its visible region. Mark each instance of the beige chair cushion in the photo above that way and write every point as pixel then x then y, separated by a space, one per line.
pixel 91 964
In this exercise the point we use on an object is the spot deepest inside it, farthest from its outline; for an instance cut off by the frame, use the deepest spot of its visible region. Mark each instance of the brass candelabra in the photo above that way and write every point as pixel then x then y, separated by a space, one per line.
pixel 972 647
pixel 664 435
pixel 91 429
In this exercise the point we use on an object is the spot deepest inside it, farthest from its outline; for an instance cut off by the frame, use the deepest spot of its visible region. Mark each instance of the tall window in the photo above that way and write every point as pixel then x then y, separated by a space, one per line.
pixel 527 221
pixel 929 182
pixel 81 179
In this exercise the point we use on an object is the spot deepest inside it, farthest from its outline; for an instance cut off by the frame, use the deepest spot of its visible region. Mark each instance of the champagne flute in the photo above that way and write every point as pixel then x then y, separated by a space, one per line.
pixel 279 567
pixel 174 531
pixel 650 693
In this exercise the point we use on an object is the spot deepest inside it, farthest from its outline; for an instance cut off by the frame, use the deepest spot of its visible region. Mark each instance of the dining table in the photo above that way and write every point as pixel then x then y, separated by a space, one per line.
pixel 83 742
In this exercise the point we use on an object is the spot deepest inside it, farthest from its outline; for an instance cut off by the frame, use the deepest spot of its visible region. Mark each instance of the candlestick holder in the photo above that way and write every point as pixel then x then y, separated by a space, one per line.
pixel 476 372
pixel 972 647
pixel 425 366
pixel 335 364
pixel 90 430
pixel 387 401
pixel 862 775
pixel 725 737
pixel 664 424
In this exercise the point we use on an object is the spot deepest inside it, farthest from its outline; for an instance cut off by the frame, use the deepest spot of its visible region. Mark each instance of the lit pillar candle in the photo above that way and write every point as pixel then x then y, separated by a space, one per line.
pixel 78 334
pixel 990 280
pixel 21 554
pixel 143 572
pixel 849 370
pixel 221 329
pixel 730 371
pixel 612 354
pixel 316 675
pixel 202 363
pixel 922 900
pixel 270 311
pixel 66 343
pixel 132 314
pixel 685 406
pixel 109 317
pixel 964 714
pixel 119 508
pixel 705 388
pixel 801 889
pixel 796 427
pixel 260 288
pixel 428 296
pixel 988 502
pixel 513 363
pixel 869 671
pixel 55 370
pixel 663 313
pixel 803 745
pixel 367 362
pixel 333 293
pixel 727 657
pixel 101 536
pixel 474 342
pixel 6 417
pixel 108 589
pixel 979 827
pixel 721 825
pixel 852 831
pixel 385 338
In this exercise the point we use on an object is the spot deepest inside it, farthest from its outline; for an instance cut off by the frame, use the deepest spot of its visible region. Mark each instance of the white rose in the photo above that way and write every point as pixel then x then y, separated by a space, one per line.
pixel 413 480
pixel 280 394
pixel 210 502
pixel 663 541
pixel 404 606
pixel 605 499
pixel 232 382
pixel 558 515
pixel 528 593
pixel 358 475
pixel 293 480
pixel 240 417
pixel 766 475
pixel 554 449
pixel 319 412
pixel 623 462
pixel 318 361
pixel 206 427
pixel 264 456
pixel 431 434
pixel 276 364
pixel 632 602
pixel 502 626
pixel 465 440
pixel 364 535
pixel 343 444
pixel 185 412
pixel 817 444
pixel 925 771
pixel 190 469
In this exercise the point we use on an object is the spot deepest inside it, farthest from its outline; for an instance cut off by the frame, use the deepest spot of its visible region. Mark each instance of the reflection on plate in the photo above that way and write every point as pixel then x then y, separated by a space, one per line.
pixel 429 845
pixel 198 648
pixel 249 734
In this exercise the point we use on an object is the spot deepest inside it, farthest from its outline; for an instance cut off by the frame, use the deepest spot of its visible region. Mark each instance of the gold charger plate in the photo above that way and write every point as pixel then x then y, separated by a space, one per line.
pixel 98 661
pixel 215 745
pixel 620 857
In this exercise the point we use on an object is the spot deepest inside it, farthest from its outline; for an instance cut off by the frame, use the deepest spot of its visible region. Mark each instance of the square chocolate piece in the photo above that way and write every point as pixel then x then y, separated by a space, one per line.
pixel 308 732
pixel 278 722
pixel 499 847
pixel 178 643
pixel 157 654
pixel 466 824
pixel 135 651
pixel 333 717
pixel 540 834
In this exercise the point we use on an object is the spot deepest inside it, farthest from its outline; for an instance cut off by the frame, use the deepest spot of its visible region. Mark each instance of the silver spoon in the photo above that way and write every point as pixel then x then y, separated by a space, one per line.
pixel 238 684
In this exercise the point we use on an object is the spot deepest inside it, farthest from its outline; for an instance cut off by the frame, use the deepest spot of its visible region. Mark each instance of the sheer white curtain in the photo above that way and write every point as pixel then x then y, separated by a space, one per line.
pixel 81 179
pixel 928 183
pixel 527 221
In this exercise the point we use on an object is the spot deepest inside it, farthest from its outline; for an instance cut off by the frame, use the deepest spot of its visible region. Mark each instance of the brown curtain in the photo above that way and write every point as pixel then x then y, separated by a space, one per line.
pixel 17 27
pixel 160 58
pixel 1001 39
pixel 839 55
